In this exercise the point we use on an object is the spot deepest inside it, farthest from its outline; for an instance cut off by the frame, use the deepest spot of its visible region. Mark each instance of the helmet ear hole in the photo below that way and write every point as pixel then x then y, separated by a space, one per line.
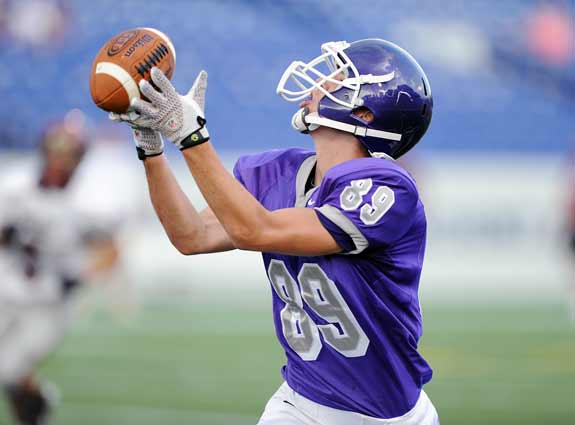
pixel 364 114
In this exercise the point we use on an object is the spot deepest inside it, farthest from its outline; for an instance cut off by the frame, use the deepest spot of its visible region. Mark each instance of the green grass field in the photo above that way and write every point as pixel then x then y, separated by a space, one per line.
pixel 181 364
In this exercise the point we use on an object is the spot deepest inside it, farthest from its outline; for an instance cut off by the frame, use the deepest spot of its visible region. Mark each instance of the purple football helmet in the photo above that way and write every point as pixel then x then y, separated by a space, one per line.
pixel 373 74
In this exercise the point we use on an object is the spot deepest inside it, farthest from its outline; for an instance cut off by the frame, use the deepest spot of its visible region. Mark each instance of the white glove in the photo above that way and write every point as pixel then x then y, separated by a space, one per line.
pixel 179 118
pixel 148 142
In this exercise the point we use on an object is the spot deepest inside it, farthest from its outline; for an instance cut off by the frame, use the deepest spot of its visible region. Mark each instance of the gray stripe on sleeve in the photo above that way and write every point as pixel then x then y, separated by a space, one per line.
pixel 340 220
pixel 301 179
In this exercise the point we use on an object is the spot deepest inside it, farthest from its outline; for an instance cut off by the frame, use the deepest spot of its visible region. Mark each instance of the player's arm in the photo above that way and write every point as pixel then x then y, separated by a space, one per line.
pixel 189 231
pixel 247 223
pixel 234 219
pixel 295 231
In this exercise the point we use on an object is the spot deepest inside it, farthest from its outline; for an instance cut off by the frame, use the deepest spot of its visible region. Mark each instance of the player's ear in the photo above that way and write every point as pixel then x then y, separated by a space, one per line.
pixel 363 114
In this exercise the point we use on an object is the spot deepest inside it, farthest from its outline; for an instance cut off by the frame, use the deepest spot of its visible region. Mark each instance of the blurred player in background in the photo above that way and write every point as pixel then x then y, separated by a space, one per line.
pixel 571 232
pixel 342 229
pixel 48 248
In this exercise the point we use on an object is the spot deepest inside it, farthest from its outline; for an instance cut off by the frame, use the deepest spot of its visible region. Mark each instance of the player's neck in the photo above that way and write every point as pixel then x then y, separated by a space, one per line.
pixel 334 147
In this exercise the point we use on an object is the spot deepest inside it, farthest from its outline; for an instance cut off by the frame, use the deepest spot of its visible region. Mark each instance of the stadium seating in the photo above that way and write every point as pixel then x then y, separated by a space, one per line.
pixel 246 45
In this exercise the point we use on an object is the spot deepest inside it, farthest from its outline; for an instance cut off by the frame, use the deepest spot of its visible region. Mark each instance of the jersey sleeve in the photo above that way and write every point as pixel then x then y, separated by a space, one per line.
pixel 238 171
pixel 261 172
pixel 250 171
pixel 245 174
pixel 368 210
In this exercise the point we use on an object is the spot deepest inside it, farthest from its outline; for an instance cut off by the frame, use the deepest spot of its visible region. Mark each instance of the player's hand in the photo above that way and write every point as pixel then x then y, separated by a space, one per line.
pixel 179 118
pixel 148 142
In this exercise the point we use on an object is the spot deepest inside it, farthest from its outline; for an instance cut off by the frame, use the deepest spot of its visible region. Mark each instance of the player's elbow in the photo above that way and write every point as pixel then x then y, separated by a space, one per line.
pixel 188 249
pixel 185 246
pixel 247 239
pixel 188 240
pixel 242 237
pixel 250 235
pixel 184 249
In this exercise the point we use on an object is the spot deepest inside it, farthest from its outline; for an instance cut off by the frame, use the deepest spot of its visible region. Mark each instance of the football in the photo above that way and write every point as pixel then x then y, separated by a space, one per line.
pixel 123 61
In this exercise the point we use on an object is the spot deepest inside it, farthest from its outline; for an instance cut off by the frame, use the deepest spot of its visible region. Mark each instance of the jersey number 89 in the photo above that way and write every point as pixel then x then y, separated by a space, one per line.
pixel 381 201
pixel 342 332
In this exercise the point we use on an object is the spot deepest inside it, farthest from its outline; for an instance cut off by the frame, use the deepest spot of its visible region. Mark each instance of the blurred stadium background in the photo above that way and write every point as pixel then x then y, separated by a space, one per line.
pixel 169 339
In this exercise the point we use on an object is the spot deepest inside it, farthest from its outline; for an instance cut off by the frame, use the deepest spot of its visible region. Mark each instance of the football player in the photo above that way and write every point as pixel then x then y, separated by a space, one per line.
pixel 342 228
pixel 47 249
pixel 571 230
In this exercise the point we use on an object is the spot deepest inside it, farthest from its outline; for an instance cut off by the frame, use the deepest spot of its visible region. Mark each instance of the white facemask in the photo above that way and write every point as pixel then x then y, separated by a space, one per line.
pixel 333 66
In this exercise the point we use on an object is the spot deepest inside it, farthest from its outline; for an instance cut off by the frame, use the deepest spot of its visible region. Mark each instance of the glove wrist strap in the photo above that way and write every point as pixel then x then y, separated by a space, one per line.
pixel 142 155
pixel 197 137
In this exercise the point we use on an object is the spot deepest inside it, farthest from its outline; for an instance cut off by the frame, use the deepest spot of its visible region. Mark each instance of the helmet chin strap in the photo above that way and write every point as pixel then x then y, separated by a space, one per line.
pixel 300 122
pixel 306 122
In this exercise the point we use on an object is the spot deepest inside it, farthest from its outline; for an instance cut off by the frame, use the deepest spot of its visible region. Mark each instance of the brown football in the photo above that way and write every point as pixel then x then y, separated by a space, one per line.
pixel 123 61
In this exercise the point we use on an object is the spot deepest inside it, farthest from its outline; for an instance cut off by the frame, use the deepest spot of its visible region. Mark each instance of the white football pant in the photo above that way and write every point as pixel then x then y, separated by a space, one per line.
pixel 286 407
pixel 28 334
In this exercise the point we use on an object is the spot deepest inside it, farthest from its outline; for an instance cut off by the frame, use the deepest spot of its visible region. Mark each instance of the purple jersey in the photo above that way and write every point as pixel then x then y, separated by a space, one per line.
pixel 349 323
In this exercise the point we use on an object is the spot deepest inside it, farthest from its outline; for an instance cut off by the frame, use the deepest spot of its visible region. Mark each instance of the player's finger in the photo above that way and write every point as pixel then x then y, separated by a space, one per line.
pixel 131 117
pixel 146 109
pixel 162 81
pixel 151 93
pixel 198 90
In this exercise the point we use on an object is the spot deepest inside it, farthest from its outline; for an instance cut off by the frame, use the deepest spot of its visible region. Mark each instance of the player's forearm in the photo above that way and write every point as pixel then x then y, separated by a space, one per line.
pixel 182 223
pixel 241 215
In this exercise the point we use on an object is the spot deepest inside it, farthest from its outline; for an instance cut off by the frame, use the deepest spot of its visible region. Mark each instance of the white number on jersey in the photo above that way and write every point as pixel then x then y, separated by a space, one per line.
pixel 381 201
pixel 323 297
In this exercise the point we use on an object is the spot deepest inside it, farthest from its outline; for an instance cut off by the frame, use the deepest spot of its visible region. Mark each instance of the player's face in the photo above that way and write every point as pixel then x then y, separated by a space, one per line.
pixel 317 95
pixel 59 166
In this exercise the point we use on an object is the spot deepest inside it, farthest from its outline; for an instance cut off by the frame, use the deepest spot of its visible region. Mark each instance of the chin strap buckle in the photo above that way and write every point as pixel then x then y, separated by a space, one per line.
pixel 360 131
pixel 299 123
